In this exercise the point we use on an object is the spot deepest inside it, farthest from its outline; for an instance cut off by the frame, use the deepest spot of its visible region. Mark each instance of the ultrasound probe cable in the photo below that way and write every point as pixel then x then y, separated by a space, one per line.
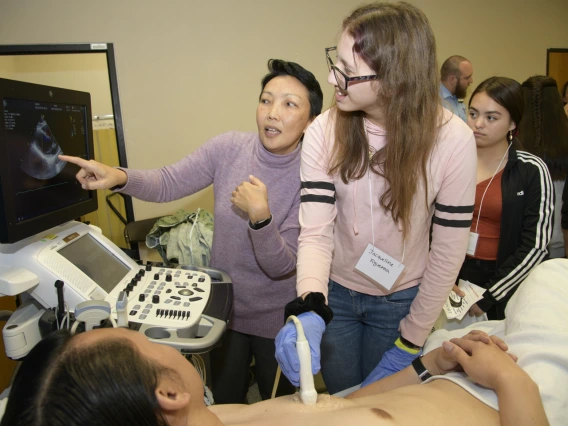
pixel 308 394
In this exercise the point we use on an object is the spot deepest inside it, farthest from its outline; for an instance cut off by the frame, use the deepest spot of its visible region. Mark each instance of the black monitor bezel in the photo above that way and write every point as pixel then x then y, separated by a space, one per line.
pixel 85 48
pixel 10 230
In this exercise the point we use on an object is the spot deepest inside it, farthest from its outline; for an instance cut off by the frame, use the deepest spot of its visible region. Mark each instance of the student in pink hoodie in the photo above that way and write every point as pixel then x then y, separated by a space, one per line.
pixel 388 184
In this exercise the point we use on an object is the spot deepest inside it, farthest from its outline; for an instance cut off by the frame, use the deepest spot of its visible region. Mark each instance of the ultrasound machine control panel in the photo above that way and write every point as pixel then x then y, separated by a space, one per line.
pixel 167 297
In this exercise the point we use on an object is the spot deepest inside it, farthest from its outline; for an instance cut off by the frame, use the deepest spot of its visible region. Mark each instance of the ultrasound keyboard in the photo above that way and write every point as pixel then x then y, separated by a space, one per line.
pixel 167 297
pixel 166 303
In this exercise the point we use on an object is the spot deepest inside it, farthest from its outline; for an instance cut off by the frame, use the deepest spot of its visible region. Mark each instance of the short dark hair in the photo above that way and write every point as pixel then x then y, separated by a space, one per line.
pixel 279 67
pixel 108 383
pixel 506 92
pixel 451 66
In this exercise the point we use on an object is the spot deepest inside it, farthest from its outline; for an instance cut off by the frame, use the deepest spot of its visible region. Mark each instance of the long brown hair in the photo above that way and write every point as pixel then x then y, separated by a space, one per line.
pixel 397 42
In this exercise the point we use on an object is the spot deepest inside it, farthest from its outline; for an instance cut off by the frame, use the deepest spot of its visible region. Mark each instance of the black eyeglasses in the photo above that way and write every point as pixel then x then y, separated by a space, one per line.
pixel 340 77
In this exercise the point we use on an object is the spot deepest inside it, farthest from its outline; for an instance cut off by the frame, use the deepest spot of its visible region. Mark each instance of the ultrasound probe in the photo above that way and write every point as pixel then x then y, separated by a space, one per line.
pixel 308 393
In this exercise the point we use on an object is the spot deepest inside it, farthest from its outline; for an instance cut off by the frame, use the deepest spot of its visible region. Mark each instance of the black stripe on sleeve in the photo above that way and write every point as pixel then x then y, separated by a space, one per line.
pixel 452 223
pixel 317 199
pixel 454 209
pixel 318 185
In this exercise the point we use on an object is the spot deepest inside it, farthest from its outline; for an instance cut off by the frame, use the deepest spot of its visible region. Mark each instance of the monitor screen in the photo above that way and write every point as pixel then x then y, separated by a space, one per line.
pixel 99 264
pixel 36 133
pixel 38 190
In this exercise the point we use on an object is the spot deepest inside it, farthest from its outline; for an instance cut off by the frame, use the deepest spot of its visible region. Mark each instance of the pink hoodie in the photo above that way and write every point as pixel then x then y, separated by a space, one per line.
pixel 335 221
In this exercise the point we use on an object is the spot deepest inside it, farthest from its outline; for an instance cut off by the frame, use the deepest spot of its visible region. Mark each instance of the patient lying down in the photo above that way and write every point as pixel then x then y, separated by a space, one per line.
pixel 118 377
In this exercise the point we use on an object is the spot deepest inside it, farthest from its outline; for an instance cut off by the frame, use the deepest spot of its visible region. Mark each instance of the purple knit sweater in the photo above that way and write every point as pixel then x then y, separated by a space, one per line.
pixel 262 264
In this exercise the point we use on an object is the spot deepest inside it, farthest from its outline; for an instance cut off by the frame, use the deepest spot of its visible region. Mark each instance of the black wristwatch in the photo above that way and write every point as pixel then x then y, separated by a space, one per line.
pixel 423 373
pixel 261 223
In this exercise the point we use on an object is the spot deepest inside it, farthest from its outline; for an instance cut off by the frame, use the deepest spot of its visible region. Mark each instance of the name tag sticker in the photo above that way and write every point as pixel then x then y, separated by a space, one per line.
pixel 472 243
pixel 379 267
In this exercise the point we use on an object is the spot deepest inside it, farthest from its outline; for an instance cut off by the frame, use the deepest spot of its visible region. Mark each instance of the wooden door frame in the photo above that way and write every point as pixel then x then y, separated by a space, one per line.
pixel 553 50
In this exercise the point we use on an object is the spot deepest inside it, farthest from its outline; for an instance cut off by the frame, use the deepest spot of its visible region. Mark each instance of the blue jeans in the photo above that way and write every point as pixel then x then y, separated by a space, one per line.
pixel 363 328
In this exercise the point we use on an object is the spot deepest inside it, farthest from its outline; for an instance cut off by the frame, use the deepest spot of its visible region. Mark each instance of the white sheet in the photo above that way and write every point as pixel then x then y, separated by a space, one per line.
pixel 536 330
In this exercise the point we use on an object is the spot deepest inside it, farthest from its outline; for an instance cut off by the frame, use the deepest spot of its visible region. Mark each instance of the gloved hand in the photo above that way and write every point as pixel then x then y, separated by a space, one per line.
pixel 393 360
pixel 286 354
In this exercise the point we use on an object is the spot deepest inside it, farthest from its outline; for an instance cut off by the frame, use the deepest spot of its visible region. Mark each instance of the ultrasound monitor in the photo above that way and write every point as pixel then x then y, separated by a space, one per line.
pixel 37 190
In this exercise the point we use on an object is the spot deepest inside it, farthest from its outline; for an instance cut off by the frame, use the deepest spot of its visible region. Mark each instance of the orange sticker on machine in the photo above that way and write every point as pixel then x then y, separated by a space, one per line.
pixel 71 237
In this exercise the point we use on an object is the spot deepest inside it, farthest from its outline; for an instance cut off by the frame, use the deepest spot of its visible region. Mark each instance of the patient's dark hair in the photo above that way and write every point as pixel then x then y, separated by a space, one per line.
pixel 106 383
pixel 278 68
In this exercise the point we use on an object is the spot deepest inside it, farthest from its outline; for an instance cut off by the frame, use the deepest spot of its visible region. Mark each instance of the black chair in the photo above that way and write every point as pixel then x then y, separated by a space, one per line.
pixel 134 232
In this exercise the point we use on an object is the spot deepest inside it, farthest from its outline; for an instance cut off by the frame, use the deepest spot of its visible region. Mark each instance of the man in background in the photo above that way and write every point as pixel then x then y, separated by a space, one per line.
pixel 456 76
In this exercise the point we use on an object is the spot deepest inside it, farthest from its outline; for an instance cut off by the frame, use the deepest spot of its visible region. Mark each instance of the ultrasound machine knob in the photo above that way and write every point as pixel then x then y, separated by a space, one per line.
pixel 156 276
pixel 141 272
pixel 148 267
pixel 155 298
pixel 142 297
pixel 168 278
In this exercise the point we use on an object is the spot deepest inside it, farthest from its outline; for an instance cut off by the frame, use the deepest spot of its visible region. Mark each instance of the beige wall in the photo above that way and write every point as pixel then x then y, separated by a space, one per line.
pixel 85 72
pixel 190 69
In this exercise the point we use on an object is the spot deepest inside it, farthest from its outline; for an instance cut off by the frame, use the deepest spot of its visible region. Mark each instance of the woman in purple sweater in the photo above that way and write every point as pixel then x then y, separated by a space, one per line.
pixel 257 199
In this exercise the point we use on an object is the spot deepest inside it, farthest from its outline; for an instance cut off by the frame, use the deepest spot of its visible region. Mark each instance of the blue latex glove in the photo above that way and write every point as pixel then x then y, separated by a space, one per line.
pixel 286 354
pixel 393 360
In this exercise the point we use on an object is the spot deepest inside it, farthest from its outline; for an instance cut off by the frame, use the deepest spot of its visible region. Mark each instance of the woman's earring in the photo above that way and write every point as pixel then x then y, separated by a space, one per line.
pixel 510 136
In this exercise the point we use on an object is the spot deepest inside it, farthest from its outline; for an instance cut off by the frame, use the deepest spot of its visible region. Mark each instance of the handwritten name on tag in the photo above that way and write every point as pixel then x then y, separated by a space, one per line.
pixel 379 267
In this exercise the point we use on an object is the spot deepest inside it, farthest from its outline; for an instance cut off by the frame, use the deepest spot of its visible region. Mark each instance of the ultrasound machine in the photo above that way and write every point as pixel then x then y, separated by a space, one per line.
pixel 67 271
